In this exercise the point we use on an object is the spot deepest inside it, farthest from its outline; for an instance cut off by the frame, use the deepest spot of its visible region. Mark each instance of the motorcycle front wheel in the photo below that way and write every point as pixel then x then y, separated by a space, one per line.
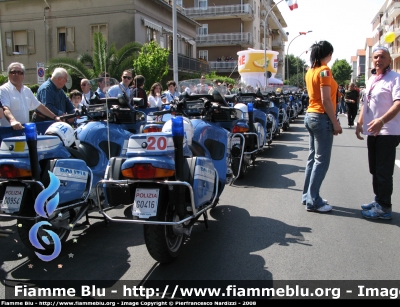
pixel 164 242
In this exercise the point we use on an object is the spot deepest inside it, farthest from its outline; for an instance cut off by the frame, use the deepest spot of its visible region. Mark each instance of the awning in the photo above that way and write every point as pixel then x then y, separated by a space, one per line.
pixel 192 42
pixel 152 25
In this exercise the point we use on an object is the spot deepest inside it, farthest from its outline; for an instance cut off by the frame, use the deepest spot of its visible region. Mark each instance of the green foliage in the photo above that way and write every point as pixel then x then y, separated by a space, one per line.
pixel 296 66
pixel 34 87
pixel 152 63
pixel 341 71
pixel 3 79
pixel 213 76
pixel 114 61
pixel 360 81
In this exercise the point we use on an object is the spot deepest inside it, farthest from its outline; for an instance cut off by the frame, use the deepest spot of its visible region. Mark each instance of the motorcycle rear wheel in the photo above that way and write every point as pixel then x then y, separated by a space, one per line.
pixel 162 242
pixel 235 168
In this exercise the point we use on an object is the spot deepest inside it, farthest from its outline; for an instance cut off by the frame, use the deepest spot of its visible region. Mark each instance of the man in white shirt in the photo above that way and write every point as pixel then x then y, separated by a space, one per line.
pixel 18 99
pixel 86 92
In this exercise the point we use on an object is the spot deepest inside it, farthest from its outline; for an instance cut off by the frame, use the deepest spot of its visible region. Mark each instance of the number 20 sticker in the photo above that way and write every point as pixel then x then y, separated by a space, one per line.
pixel 157 143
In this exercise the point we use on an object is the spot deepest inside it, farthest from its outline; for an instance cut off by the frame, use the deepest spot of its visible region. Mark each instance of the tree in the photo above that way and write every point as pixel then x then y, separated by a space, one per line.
pixel 296 65
pixel 152 63
pixel 341 71
pixel 114 61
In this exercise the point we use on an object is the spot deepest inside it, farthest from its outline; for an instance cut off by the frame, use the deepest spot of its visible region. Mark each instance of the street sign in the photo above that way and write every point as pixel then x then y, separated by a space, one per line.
pixel 40 73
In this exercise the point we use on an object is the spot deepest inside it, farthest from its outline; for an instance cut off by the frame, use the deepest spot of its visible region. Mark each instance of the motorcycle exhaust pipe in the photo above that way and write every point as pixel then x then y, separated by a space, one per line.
pixel 177 136
pixel 31 140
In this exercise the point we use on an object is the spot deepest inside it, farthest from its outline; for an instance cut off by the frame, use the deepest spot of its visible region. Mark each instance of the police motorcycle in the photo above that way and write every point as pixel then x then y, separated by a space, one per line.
pixel 278 98
pixel 248 130
pixel 49 180
pixel 170 179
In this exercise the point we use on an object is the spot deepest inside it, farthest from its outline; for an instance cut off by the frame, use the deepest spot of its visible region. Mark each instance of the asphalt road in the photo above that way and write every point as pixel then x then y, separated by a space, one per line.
pixel 259 231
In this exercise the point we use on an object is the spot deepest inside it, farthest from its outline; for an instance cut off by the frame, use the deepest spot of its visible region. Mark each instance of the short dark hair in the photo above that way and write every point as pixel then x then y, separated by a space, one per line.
pixel 74 93
pixel 139 80
pixel 171 82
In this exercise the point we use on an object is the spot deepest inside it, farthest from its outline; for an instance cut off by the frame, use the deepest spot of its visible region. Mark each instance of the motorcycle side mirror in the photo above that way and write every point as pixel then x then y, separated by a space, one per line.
pixel 138 102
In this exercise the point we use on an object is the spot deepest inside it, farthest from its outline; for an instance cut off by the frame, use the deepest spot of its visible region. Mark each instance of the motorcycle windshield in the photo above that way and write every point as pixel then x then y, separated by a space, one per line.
pixel 211 89
pixel 102 85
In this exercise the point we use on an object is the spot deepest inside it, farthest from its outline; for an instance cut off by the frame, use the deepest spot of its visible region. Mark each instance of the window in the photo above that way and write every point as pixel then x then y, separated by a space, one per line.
pixel 151 35
pixel 169 42
pixel 203 30
pixel 203 54
pixel 20 42
pixel 179 2
pixel 66 39
pixel 203 4
pixel 188 49
pixel 103 28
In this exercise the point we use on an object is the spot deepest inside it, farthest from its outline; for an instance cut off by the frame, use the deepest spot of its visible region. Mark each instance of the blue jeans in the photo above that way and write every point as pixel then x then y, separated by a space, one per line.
pixel 342 106
pixel 320 129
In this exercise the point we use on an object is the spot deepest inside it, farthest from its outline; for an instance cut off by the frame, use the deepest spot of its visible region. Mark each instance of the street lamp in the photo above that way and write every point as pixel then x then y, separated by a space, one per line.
pixel 287 53
pixel 297 68
pixel 265 45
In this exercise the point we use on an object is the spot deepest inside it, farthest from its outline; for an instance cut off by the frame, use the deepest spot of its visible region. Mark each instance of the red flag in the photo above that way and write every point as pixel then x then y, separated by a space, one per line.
pixel 292 4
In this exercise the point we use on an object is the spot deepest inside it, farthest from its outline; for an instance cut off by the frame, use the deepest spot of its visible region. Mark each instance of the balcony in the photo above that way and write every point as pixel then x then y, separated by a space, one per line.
pixel 243 11
pixel 225 39
pixel 222 66
pixel 395 52
pixel 393 10
pixel 189 65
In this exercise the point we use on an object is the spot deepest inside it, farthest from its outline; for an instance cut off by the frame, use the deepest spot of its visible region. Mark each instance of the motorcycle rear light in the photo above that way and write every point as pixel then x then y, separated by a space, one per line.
pixel 146 171
pixel 240 129
pixel 152 129
pixel 12 172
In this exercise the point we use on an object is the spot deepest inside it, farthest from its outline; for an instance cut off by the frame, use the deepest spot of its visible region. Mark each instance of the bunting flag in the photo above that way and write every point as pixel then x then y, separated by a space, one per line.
pixel 292 4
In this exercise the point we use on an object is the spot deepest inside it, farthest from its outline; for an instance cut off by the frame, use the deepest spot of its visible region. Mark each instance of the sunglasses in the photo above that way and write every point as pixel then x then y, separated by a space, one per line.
pixel 16 72
pixel 127 77
pixel 84 84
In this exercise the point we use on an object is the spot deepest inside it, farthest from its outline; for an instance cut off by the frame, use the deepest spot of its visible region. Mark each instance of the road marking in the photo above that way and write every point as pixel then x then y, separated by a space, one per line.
pixel 398 163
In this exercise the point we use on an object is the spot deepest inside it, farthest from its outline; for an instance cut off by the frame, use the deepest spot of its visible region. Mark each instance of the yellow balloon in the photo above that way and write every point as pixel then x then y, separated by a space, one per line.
pixel 389 37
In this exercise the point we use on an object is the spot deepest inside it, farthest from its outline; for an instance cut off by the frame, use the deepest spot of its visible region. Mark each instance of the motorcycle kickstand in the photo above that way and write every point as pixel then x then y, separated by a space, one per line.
pixel 87 222
pixel 205 215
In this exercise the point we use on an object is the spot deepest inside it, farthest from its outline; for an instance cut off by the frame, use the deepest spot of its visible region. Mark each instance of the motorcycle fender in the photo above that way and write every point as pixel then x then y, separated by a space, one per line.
pixel 74 176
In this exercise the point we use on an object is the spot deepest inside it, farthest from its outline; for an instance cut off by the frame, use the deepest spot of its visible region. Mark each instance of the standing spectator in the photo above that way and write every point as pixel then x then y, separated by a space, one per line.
pixel 154 99
pixel 1 111
pixel 123 87
pixel 321 123
pixel 380 121
pixel 171 93
pixel 351 98
pixel 342 104
pixel 139 92
pixel 87 93
pixel 18 99
pixel 52 95
pixel 102 81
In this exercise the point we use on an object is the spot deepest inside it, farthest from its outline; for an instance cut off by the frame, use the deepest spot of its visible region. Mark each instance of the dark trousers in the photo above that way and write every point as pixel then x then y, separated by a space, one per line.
pixel 351 113
pixel 381 159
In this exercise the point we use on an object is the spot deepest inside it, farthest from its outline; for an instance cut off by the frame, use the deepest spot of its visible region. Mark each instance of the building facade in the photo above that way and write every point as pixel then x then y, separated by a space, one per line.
pixel 229 26
pixel 37 30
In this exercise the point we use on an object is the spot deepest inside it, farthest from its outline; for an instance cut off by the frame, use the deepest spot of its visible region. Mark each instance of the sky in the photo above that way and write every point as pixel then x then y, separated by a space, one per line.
pixel 344 23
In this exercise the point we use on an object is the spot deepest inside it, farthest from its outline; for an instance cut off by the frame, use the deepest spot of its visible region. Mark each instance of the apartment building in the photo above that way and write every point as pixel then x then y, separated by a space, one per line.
pixel 229 26
pixel 386 20
pixel 34 31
